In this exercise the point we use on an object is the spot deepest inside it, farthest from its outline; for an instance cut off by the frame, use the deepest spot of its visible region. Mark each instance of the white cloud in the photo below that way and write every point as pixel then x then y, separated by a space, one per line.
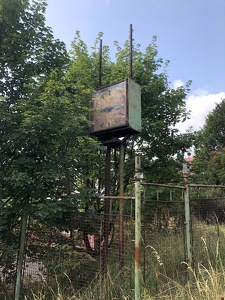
pixel 200 103
pixel 177 83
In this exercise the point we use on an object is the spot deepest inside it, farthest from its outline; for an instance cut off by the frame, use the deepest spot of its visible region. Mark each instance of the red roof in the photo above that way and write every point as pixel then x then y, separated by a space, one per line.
pixel 189 159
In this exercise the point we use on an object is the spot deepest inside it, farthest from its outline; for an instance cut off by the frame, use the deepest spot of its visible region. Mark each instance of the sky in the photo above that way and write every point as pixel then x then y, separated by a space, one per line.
pixel 190 34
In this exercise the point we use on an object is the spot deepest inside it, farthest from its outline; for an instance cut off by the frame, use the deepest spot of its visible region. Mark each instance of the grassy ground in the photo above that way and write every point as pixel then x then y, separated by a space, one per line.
pixel 207 284
pixel 165 274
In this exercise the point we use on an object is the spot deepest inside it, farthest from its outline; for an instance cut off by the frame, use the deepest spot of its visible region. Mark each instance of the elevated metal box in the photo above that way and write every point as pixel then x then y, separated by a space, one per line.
pixel 116 110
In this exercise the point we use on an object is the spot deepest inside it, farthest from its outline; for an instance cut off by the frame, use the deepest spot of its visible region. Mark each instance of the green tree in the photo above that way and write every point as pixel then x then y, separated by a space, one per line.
pixel 46 152
pixel 210 142
pixel 160 142
pixel 41 121
pixel 28 50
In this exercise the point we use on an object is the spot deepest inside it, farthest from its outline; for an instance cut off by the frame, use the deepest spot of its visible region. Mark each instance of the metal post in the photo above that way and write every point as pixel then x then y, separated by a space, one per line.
pixel 144 237
pixel 106 214
pixel 21 256
pixel 137 228
pixel 121 210
pixel 131 51
pixel 100 66
pixel 187 220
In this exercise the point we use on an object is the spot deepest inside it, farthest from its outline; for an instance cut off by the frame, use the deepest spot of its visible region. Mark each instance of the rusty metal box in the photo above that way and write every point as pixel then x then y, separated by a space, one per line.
pixel 116 110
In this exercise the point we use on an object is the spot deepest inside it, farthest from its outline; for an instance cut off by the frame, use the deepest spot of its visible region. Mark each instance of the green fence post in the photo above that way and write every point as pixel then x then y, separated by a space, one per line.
pixel 21 256
pixel 187 220
pixel 137 227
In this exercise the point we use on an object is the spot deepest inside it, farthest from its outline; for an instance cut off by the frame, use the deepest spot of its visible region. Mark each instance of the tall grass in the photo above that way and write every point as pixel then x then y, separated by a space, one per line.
pixel 164 273
pixel 206 284
pixel 106 289
pixel 207 280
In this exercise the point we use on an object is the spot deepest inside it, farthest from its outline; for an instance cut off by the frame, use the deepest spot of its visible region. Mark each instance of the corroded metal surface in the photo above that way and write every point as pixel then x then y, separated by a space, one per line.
pixel 121 211
pixel 137 227
pixel 106 214
pixel 187 217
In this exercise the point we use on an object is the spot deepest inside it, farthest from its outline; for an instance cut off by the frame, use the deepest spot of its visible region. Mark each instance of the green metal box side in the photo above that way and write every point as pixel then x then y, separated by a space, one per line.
pixel 134 105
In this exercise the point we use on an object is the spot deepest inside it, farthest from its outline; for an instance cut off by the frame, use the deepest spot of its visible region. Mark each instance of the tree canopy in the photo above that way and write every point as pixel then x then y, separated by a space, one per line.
pixel 39 123
pixel 50 165
pixel 210 147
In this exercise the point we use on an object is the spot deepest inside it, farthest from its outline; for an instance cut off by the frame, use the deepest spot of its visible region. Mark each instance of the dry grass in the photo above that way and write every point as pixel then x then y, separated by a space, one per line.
pixel 165 277
pixel 207 283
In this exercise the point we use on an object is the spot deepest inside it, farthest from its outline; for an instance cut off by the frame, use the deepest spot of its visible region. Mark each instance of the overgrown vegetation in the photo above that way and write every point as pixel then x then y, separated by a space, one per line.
pixel 66 274
pixel 50 167
pixel 52 171
pixel 166 274
pixel 208 166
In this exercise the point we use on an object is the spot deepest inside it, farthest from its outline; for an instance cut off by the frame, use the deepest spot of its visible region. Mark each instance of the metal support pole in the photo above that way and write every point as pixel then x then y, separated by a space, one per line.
pixel 131 51
pixel 137 228
pixel 121 210
pixel 187 220
pixel 106 214
pixel 21 256
pixel 100 65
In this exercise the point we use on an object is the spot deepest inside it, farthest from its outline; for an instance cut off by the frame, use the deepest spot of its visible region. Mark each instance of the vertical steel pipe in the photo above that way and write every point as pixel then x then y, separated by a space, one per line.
pixel 187 219
pixel 106 214
pixel 131 51
pixel 137 227
pixel 100 65
pixel 144 237
pixel 21 256
pixel 121 210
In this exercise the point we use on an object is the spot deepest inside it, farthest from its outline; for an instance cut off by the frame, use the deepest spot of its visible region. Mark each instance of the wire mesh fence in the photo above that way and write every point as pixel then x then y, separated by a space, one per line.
pixel 163 234
pixel 91 256
pixel 207 204
pixel 77 259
